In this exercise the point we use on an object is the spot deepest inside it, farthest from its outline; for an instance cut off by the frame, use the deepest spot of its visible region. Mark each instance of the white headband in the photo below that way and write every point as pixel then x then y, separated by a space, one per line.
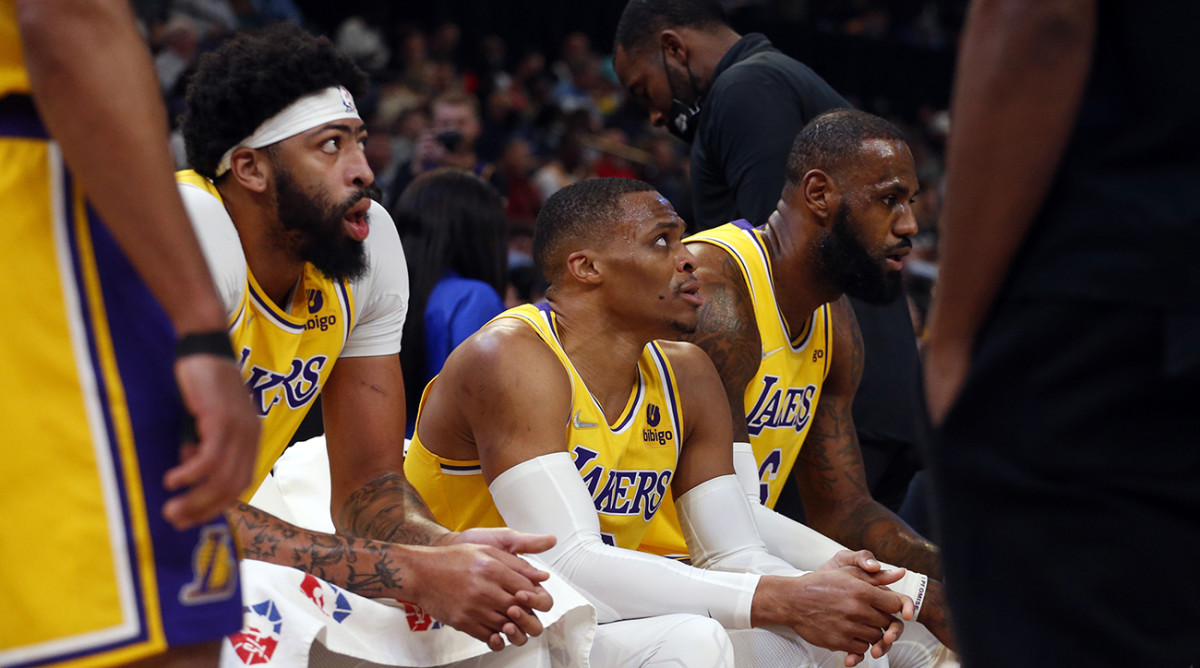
pixel 331 104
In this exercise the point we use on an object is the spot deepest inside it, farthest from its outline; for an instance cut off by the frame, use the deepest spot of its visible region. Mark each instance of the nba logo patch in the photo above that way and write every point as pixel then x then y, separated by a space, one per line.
pixel 347 98
pixel 259 637
pixel 418 619
pixel 333 603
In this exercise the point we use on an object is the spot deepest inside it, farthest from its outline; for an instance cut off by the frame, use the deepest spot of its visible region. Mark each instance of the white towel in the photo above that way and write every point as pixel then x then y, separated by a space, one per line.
pixel 287 609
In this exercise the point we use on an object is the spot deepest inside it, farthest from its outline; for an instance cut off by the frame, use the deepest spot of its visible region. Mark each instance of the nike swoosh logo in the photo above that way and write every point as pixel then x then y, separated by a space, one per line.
pixel 767 353
pixel 580 424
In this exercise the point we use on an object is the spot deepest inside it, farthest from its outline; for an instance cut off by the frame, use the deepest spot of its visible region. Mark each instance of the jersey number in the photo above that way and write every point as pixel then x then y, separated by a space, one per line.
pixel 767 473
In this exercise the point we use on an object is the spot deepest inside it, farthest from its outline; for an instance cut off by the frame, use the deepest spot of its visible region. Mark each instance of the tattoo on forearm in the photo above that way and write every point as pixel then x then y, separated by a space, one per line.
pixel 364 567
pixel 831 463
pixel 876 528
pixel 388 508
pixel 830 443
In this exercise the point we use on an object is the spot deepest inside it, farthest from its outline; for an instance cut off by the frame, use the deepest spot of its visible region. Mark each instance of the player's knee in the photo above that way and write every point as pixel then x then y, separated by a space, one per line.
pixel 694 641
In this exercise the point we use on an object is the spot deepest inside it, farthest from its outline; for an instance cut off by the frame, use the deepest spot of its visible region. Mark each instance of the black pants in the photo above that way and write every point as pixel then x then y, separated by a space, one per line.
pixel 1067 481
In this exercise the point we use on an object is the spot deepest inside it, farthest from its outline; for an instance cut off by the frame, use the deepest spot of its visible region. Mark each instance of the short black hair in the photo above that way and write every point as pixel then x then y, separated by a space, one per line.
pixel 834 138
pixel 250 78
pixel 641 20
pixel 579 211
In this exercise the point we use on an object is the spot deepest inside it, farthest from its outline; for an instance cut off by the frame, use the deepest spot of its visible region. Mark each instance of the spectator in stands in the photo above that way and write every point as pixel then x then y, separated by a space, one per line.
pixel 514 180
pixel 448 142
pixel 572 163
pixel 452 226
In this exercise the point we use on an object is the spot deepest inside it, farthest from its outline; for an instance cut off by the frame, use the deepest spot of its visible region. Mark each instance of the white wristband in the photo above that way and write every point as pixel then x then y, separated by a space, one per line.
pixel 913 585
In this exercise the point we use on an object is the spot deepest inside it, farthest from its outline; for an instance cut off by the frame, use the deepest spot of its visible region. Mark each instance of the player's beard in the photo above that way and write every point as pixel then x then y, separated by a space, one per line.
pixel 851 266
pixel 315 227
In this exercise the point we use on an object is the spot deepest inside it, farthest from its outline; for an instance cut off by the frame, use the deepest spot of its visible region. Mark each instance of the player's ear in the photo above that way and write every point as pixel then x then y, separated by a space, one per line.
pixel 673 46
pixel 251 168
pixel 582 267
pixel 818 192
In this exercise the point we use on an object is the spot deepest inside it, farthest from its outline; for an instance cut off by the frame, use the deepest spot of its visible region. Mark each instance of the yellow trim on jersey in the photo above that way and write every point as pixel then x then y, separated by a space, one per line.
pixel 627 465
pixel 14 79
pixel 193 178
pixel 781 399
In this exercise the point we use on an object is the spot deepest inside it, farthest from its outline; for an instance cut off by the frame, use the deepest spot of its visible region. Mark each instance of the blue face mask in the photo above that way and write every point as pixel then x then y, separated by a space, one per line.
pixel 682 118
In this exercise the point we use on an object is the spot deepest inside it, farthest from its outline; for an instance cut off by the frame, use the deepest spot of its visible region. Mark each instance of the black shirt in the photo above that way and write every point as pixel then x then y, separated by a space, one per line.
pixel 759 101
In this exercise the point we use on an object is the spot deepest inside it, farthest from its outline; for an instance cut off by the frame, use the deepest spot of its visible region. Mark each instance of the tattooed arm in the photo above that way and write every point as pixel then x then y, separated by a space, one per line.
pixel 385 531
pixel 363 410
pixel 829 470
pixel 727 329
pixel 480 590
pixel 363 404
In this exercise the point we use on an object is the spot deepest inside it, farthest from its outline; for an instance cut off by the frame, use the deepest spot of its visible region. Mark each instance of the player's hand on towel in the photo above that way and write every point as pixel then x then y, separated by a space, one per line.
pixel 516 543
pixel 476 585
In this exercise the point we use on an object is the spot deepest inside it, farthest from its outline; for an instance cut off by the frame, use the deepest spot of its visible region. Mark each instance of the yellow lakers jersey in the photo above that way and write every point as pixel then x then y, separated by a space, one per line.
pixel 782 399
pixel 285 355
pixel 13 77
pixel 627 466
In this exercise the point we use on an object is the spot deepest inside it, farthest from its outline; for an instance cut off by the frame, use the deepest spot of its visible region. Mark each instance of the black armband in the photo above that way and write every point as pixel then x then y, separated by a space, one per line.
pixel 213 343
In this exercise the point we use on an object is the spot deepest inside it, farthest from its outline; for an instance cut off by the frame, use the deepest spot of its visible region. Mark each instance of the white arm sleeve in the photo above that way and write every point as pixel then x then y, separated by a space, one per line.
pixel 719 529
pixel 546 495
pixel 381 296
pixel 796 543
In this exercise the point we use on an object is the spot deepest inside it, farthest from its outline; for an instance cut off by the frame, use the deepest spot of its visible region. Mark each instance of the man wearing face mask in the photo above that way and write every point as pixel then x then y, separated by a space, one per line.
pixel 736 99
pixel 740 102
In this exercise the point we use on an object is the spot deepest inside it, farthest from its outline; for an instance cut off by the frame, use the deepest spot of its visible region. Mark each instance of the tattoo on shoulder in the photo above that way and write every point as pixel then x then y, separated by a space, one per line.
pixel 848 333
pixel 726 329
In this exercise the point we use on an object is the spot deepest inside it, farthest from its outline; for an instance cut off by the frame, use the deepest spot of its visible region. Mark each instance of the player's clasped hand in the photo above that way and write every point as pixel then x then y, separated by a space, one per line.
pixel 219 465
pixel 843 606
pixel 478 585
pixel 863 566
